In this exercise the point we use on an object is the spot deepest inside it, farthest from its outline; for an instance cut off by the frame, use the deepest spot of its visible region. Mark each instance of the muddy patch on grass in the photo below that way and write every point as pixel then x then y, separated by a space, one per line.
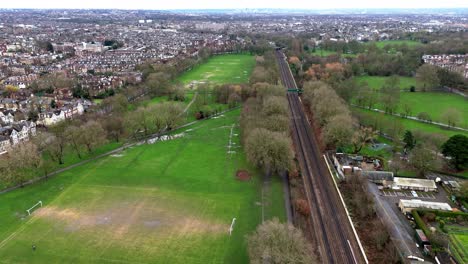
pixel 128 220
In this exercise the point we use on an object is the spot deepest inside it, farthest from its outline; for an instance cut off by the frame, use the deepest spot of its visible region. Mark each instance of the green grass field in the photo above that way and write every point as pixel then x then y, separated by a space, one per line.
pixel 434 104
pixel 376 82
pixel 220 69
pixel 325 53
pixel 410 43
pixel 168 202
pixel 411 124
pixel 459 243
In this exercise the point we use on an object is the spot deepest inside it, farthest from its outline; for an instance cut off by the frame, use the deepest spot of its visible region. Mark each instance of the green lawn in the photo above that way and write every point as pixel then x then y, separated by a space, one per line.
pixel 376 82
pixel 220 69
pixel 409 124
pixel 459 245
pixel 434 104
pixel 168 202
pixel 410 43
pixel 325 53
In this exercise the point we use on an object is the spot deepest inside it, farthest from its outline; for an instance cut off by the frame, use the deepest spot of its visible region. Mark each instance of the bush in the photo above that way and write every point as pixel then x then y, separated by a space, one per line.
pixel 302 207
pixel 429 217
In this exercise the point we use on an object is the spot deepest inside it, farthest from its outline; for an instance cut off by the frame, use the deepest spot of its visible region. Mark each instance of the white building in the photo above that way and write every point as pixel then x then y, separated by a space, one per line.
pixel 409 205
pixel 414 184
pixel 69 112
pixel 5 144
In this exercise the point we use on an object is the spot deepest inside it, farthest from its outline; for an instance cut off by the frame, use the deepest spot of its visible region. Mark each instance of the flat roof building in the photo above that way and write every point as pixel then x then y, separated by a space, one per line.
pixel 414 184
pixel 407 206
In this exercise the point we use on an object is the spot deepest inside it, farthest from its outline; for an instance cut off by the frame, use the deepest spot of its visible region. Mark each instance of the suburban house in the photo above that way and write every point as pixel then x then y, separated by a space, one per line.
pixel 7 117
pixel 67 112
pixel 12 135
pixel 5 144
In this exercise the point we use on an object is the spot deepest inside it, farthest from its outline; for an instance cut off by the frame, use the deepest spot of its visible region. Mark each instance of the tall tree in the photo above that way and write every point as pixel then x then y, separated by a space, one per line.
pixel 114 126
pixel 92 135
pixel 22 158
pixel 390 94
pixel 452 116
pixel 362 136
pixel 74 135
pixel 338 130
pixel 423 159
pixel 457 149
pixel 427 78
pixel 268 150
pixel 275 242
pixel 409 140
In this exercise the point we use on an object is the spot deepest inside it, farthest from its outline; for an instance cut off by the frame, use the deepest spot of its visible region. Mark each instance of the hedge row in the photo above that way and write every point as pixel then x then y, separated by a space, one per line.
pixel 420 223
pixel 445 213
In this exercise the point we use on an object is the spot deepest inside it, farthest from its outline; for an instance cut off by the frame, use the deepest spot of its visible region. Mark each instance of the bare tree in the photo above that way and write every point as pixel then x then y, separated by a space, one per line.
pixel 74 135
pixel 396 164
pixel 427 77
pixel 57 142
pixel 140 121
pixel 275 105
pixel 92 135
pixel 452 116
pixel 268 150
pixel 274 242
pixel 116 104
pixel 22 158
pixel 114 126
pixel 390 94
pixel 338 130
pixel 362 136
pixel 406 110
pixel 423 159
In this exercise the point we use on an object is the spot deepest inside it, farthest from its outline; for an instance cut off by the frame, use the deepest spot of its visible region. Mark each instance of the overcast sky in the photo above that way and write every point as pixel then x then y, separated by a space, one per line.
pixel 218 4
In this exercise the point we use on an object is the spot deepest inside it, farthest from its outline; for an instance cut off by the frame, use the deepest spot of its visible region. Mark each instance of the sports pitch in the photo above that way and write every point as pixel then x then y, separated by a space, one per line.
pixel 168 202
pixel 220 69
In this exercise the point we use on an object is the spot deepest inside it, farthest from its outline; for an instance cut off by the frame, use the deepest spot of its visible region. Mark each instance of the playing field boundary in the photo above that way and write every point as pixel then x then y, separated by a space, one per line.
pixel 125 146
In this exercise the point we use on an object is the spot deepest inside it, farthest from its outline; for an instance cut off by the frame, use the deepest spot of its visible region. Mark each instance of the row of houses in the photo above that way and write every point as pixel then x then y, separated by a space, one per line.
pixel 14 134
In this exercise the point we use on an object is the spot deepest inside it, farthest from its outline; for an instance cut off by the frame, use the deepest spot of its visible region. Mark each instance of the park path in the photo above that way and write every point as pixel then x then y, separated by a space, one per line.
pixel 191 102
pixel 125 146
pixel 413 118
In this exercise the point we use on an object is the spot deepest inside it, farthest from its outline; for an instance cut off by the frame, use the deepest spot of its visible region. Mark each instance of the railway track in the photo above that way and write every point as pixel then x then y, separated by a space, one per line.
pixel 332 231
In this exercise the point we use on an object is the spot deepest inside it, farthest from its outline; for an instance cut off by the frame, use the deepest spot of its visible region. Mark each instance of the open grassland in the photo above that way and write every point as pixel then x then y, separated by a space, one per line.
pixel 220 69
pixel 409 43
pixel 376 82
pixel 325 53
pixel 168 202
pixel 435 104
pixel 409 124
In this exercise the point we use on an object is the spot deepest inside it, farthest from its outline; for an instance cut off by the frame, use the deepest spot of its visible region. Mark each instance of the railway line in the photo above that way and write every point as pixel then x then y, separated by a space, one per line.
pixel 332 231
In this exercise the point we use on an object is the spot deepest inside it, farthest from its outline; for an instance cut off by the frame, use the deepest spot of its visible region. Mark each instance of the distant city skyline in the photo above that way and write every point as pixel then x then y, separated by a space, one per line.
pixel 240 4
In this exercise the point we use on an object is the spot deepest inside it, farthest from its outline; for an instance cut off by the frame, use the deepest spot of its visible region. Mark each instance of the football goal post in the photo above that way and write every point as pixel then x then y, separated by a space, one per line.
pixel 30 210
pixel 232 226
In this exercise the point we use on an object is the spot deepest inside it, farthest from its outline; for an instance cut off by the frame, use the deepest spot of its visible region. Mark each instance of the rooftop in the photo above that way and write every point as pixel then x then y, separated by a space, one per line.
pixel 422 183
pixel 414 203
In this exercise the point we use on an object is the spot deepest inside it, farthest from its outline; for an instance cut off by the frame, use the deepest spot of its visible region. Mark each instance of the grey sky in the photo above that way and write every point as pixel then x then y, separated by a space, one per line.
pixel 217 4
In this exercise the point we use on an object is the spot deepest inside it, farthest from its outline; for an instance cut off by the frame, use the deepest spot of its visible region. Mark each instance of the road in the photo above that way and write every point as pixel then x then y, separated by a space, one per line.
pixel 332 231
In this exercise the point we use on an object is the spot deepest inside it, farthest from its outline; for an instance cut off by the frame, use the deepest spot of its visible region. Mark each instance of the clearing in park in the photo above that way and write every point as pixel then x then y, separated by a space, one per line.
pixel 168 202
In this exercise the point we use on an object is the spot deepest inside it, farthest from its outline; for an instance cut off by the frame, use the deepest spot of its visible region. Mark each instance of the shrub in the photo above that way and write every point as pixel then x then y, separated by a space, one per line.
pixel 302 207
